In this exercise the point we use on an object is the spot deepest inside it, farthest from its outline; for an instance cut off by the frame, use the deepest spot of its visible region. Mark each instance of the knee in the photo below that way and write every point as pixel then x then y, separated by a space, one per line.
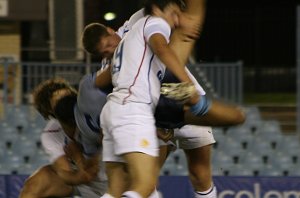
pixel 200 178
pixel 33 185
pixel 240 116
pixel 30 188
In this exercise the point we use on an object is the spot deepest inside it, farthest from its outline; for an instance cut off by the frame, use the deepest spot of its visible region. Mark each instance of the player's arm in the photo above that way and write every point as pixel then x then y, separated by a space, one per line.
pixel 64 170
pixel 162 50
pixel 73 151
pixel 103 78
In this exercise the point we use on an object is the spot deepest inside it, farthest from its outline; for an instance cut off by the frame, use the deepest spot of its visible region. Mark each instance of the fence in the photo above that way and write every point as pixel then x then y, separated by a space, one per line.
pixel 221 80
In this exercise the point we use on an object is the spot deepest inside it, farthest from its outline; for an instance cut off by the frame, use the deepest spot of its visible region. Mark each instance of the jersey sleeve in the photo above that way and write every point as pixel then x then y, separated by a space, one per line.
pixel 157 25
pixel 197 85
pixel 126 27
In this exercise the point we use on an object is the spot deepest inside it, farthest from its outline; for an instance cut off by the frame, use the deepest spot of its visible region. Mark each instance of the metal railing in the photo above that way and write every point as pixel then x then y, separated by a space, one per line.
pixel 221 80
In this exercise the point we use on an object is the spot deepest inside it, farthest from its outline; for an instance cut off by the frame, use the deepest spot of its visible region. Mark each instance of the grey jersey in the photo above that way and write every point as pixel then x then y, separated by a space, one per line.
pixel 90 102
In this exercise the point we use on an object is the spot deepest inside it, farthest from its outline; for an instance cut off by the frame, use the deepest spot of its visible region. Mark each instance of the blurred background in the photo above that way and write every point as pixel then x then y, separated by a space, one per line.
pixel 247 54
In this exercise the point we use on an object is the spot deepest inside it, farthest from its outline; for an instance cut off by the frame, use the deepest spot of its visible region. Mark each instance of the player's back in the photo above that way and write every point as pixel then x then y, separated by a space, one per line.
pixel 135 77
pixel 90 102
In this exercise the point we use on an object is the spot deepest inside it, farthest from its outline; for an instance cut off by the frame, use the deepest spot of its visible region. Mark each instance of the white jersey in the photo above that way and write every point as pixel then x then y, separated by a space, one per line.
pixel 121 32
pixel 53 140
pixel 90 101
pixel 127 26
pixel 136 74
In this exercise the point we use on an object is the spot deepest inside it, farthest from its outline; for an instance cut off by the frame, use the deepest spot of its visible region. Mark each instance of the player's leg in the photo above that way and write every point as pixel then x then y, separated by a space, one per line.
pixel 199 164
pixel 117 178
pixel 194 17
pixel 143 173
pixel 219 114
pixel 45 183
pixel 196 142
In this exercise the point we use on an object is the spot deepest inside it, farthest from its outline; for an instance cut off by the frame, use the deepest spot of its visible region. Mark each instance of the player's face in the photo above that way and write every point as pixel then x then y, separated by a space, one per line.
pixel 108 44
pixel 171 14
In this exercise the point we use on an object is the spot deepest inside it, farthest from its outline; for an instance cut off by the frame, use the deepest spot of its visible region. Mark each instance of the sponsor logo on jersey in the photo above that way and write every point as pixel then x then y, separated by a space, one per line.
pixel 144 143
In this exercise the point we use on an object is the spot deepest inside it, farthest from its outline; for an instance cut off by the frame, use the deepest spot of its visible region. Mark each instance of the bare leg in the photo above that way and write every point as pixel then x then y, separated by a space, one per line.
pixel 117 177
pixel 199 163
pixel 143 170
pixel 45 183
pixel 195 13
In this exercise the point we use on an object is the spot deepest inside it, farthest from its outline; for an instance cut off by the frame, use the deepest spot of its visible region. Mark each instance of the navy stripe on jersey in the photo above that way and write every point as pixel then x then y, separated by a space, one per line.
pixel 150 65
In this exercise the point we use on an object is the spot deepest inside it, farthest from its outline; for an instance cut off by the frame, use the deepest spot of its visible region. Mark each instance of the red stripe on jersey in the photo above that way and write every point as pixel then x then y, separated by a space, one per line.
pixel 140 66
pixel 53 130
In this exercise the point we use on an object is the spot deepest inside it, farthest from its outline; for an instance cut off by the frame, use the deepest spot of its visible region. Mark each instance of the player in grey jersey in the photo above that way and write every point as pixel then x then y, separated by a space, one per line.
pixel 61 141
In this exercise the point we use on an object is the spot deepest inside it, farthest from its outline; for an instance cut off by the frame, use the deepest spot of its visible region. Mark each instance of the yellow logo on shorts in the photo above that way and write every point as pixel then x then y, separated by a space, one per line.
pixel 144 143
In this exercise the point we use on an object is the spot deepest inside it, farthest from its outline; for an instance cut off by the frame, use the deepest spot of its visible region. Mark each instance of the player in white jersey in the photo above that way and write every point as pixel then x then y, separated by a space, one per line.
pixel 196 141
pixel 127 118
pixel 60 178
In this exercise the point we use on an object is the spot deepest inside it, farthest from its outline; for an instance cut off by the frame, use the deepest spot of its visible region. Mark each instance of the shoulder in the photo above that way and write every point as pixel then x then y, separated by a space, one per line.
pixel 52 133
pixel 52 126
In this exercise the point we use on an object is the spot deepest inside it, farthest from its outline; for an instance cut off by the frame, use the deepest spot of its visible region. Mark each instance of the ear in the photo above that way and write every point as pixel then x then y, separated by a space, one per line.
pixel 156 11
pixel 110 30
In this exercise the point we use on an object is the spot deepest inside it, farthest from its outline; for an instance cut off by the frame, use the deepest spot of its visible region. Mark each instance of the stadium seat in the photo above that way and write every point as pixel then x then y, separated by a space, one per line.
pixel 8 135
pixel 240 170
pixel 216 170
pixel 289 142
pixel 25 148
pixel 252 161
pixel 262 149
pixel 223 160
pixel 282 161
pixel 233 149
pixel 294 171
pixel 241 134
pixel 270 170
pixel 168 169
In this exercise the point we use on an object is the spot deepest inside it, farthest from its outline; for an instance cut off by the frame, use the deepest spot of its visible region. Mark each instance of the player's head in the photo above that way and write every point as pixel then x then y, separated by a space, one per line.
pixel 166 9
pixel 100 40
pixel 55 98
pixel 62 103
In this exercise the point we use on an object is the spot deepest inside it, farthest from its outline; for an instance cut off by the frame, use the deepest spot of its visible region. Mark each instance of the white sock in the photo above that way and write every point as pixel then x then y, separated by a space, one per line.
pixel 106 195
pixel 210 193
pixel 154 194
pixel 131 194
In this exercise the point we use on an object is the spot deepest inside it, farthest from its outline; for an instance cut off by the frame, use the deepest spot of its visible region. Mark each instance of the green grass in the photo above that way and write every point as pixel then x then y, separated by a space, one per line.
pixel 270 98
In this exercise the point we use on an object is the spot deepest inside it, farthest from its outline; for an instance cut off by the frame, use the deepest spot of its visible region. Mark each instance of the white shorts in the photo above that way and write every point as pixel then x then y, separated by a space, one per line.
pixel 191 137
pixel 128 128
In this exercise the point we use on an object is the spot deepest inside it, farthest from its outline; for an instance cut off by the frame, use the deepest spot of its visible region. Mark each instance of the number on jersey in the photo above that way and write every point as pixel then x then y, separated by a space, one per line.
pixel 118 59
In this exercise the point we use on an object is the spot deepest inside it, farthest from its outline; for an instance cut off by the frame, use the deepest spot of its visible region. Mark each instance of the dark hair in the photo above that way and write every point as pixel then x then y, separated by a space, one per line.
pixel 91 36
pixel 43 93
pixel 161 4
pixel 64 109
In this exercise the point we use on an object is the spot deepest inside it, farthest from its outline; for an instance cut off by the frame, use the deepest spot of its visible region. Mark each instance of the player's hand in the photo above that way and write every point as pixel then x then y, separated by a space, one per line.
pixel 181 92
pixel 165 134
pixel 92 165
pixel 70 149
pixel 193 99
